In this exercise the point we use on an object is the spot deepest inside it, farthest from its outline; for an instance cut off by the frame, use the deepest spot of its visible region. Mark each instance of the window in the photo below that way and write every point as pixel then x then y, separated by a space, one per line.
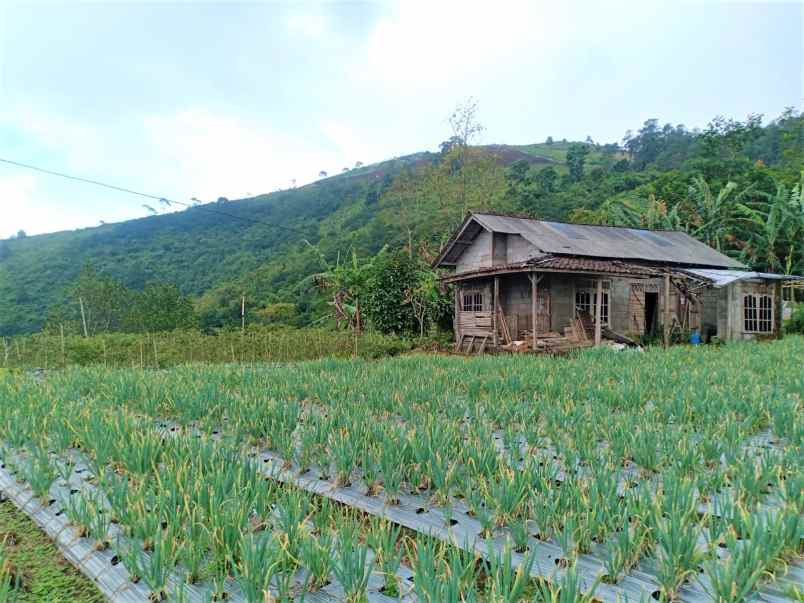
pixel 586 301
pixel 473 301
pixel 758 314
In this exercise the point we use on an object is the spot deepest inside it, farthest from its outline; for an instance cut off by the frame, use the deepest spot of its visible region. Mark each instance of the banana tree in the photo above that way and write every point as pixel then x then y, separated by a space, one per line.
pixel 347 281
pixel 713 216
pixel 775 230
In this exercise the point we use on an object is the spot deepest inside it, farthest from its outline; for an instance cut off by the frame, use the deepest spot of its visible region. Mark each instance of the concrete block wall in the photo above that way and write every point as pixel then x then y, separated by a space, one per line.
pixel 515 299
pixel 619 297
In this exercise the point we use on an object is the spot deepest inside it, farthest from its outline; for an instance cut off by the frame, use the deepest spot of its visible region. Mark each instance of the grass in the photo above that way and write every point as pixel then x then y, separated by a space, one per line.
pixel 43 573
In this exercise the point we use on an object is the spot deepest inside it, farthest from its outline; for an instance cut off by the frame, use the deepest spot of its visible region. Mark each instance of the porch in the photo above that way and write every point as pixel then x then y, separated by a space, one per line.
pixel 543 308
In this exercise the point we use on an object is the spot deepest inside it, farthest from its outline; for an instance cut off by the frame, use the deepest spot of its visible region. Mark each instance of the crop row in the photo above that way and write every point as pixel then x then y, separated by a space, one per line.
pixel 200 510
pixel 595 458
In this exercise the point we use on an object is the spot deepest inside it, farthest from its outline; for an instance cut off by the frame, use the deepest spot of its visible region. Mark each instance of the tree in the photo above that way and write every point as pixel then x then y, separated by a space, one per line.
pixel 21 234
pixel 546 178
pixel 465 129
pixel 576 157
pixel 775 230
pixel 549 140
pixel 712 216
pixel 348 282
pixel 425 297
pixel 159 307
pixel 103 298
pixel 322 174
pixel 358 164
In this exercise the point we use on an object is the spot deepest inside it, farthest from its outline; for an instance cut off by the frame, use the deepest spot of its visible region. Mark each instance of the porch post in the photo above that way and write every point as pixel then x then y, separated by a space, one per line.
pixel 456 323
pixel 533 296
pixel 598 312
pixel 666 309
pixel 496 307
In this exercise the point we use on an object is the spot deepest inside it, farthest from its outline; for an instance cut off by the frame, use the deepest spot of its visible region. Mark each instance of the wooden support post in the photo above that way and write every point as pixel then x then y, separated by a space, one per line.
pixel 495 309
pixel 666 318
pixel 598 312
pixel 243 313
pixel 778 309
pixel 533 306
pixel 456 326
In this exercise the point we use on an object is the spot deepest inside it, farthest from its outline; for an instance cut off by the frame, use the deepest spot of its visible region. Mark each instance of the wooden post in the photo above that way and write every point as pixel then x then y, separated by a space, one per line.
pixel 777 309
pixel 83 316
pixel 494 310
pixel 533 306
pixel 243 313
pixel 456 318
pixel 598 312
pixel 666 319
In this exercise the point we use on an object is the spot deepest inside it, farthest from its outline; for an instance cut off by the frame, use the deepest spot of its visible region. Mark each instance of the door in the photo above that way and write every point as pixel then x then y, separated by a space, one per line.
pixel 651 307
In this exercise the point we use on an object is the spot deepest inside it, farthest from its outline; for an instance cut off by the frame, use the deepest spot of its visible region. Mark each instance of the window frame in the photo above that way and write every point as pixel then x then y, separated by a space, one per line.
pixel 589 288
pixel 472 300
pixel 759 313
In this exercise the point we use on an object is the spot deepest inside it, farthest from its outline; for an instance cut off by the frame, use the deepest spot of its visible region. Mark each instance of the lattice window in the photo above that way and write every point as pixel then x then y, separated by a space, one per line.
pixel 473 301
pixel 758 313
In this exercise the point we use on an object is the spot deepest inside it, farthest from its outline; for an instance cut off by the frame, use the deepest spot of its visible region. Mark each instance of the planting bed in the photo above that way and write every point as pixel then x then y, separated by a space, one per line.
pixel 660 475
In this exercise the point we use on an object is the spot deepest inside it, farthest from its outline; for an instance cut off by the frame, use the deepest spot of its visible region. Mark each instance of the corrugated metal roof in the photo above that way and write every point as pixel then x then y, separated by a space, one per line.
pixel 612 242
pixel 721 278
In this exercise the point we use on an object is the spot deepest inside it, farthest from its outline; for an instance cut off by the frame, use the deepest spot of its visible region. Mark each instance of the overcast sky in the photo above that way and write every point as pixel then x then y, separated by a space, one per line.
pixel 198 99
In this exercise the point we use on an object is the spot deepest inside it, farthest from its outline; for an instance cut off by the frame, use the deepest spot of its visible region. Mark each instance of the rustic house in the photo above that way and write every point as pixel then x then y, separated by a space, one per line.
pixel 525 284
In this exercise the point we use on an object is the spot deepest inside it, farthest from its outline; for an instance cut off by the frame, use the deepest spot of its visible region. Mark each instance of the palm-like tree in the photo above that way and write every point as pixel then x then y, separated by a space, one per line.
pixel 713 216
pixel 775 230
pixel 348 282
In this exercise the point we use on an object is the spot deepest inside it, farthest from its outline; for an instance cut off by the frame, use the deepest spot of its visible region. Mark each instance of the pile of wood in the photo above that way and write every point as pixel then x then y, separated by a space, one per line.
pixel 576 335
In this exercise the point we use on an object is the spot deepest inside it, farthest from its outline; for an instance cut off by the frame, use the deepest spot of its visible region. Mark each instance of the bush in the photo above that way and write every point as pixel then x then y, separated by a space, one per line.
pixel 796 322
pixel 384 303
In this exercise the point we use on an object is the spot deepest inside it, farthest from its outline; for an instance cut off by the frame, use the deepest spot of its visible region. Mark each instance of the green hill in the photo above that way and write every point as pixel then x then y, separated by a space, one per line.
pixel 267 246
pixel 204 248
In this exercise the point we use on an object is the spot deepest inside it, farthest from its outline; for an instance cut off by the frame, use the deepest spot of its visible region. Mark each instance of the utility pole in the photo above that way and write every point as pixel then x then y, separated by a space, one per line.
pixel 83 316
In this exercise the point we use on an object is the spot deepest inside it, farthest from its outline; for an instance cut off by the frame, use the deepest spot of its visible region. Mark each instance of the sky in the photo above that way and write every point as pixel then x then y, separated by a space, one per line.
pixel 210 99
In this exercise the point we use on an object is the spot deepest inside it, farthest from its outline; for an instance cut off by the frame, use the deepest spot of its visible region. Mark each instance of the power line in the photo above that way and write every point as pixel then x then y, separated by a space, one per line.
pixel 164 200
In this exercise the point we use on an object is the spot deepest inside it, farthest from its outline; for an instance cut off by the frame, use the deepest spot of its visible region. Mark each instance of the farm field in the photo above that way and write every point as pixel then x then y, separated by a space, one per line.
pixel 659 475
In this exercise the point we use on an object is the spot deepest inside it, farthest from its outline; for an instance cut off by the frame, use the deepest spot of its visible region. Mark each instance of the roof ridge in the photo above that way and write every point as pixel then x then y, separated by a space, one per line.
pixel 525 217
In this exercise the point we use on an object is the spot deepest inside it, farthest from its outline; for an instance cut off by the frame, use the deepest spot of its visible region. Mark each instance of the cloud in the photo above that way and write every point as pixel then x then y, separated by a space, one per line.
pixel 306 24
pixel 210 154
pixel 82 144
pixel 351 145
pixel 437 43
pixel 26 205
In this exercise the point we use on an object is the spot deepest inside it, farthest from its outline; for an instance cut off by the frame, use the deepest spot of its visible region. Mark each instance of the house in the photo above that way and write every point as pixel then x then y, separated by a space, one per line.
pixel 522 283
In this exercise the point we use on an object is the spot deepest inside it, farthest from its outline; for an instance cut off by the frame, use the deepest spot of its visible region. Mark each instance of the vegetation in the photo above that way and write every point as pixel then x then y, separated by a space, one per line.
pixel 736 185
pixel 171 348
pixel 32 568
pixel 659 464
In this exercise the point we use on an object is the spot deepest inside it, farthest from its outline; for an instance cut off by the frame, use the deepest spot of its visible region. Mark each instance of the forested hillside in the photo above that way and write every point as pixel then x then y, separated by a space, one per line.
pixel 735 185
